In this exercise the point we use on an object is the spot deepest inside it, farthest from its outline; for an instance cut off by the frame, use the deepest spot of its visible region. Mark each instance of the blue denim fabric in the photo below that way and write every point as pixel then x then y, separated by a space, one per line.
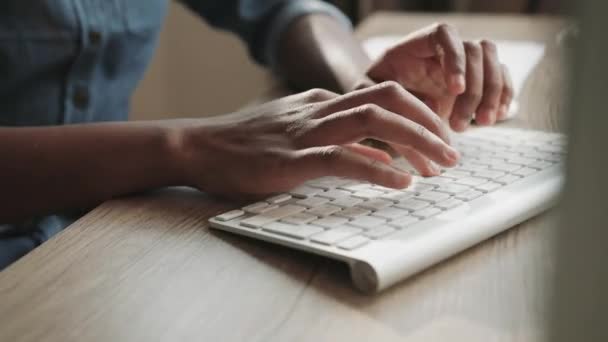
pixel 75 61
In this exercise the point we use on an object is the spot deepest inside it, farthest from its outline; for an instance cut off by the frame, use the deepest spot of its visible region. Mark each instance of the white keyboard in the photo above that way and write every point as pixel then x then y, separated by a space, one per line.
pixel 505 176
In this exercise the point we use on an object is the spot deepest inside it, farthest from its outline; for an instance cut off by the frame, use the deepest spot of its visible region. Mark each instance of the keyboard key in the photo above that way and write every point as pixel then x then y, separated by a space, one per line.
pixel 453 188
pixel 505 167
pixel 540 165
pixel 381 188
pixel 367 194
pixel 332 236
pixel 489 174
pixel 472 167
pixel 231 215
pixel 438 180
pixel 353 242
pixel 353 212
pixel 330 221
pixel 354 187
pixel 525 171
pixel 278 199
pixel 417 188
pixel 449 204
pixel 297 232
pixel 471 181
pixel 272 215
pixel 379 231
pixel 328 183
pixel 367 222
pixel 489 187
pixel 521 161
pixel 259 207
pixel 456 174
pixel 347 202
pixel 334 194
pixel 396 196
pixel 507 179
pixel 312 202
pixel 391 213
pixel 323 210
pixel 426 213
pixel 550 148
pixel 403 222
pixel 432 196
pixel 469 195
pixel 298 219
pixel 412 204
pixel 304 191
pixel 376 204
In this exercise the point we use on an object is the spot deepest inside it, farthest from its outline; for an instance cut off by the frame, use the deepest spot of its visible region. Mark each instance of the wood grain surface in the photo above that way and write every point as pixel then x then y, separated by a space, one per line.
pixel 147 268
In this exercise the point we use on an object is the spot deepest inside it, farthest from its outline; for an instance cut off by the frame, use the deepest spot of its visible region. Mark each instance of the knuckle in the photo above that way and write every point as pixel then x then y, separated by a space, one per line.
pixel 389 86
pixel 444 28
pixel 366 113
pixel 331 154
pixel 391 90
pixel 319 94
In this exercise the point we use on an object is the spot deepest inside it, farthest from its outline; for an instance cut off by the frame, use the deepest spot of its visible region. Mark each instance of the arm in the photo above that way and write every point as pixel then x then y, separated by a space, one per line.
pixel 457 79
pixel 333 58
pixel 47 169
pixel 256 152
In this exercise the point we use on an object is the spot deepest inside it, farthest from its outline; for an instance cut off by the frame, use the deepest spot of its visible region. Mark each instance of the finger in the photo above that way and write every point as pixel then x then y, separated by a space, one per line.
pixel 370 152
pixel 441 41
pixel 467 103
pixel 421 163
pixel 372 121
pixel 447 40
pixel 493 84
pixel 507 94
pixel 392 97
pixel 339 161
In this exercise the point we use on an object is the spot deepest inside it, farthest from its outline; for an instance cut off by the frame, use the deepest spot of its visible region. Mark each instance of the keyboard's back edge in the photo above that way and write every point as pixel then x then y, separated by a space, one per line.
pixel 390 260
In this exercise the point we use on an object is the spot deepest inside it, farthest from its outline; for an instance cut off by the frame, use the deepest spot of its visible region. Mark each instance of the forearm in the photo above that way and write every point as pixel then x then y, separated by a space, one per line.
pixel 45 169
pixel 318 51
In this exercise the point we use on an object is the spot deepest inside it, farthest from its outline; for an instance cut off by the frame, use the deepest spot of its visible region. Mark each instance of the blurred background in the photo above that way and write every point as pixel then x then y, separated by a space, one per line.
pixel 198 71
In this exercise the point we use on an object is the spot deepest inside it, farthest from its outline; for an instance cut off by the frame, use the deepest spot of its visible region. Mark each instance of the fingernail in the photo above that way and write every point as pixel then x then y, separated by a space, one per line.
pixel 451 154
pixel 463 124
pixel 434 168
pixel 458 82
pixel 503 111
pixel 493 115
pixel 401 179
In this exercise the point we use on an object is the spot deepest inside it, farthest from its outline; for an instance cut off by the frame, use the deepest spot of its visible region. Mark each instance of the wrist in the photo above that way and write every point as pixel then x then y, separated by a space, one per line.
pixel 175 151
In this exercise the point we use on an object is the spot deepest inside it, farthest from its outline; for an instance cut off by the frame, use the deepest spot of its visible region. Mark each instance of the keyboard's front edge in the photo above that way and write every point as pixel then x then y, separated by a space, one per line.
pixel 387 261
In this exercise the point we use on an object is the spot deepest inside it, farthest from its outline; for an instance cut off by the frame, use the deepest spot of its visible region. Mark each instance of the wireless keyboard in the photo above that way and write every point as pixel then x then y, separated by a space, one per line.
pixel 505 176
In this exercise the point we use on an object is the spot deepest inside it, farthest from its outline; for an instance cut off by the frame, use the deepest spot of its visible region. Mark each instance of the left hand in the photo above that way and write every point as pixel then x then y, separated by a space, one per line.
pixel 455 78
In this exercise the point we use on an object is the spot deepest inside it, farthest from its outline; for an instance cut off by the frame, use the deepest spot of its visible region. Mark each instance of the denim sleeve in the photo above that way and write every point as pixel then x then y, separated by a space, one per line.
pixel 260 23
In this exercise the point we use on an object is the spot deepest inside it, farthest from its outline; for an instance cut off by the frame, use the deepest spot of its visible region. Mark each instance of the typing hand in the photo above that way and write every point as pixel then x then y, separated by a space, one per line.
pixel 455 78
pixel 281 144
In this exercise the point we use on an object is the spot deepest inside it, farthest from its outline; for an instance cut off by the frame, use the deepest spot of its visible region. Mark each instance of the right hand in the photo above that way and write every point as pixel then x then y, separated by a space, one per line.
pixel 279 145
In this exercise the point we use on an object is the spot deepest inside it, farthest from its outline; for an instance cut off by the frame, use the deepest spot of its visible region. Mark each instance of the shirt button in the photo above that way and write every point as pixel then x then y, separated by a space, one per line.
pixel 94 37
pixel 81 97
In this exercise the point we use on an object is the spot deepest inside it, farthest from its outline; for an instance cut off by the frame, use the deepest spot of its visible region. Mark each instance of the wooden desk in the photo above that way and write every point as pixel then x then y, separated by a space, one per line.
pixel 148 268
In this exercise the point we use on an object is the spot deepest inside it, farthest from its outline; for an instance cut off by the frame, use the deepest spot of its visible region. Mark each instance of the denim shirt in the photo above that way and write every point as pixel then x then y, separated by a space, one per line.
pixel 75 61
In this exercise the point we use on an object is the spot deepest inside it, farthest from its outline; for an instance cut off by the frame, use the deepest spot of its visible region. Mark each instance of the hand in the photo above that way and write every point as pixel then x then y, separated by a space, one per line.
pixel 279 145
pixel 454 78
